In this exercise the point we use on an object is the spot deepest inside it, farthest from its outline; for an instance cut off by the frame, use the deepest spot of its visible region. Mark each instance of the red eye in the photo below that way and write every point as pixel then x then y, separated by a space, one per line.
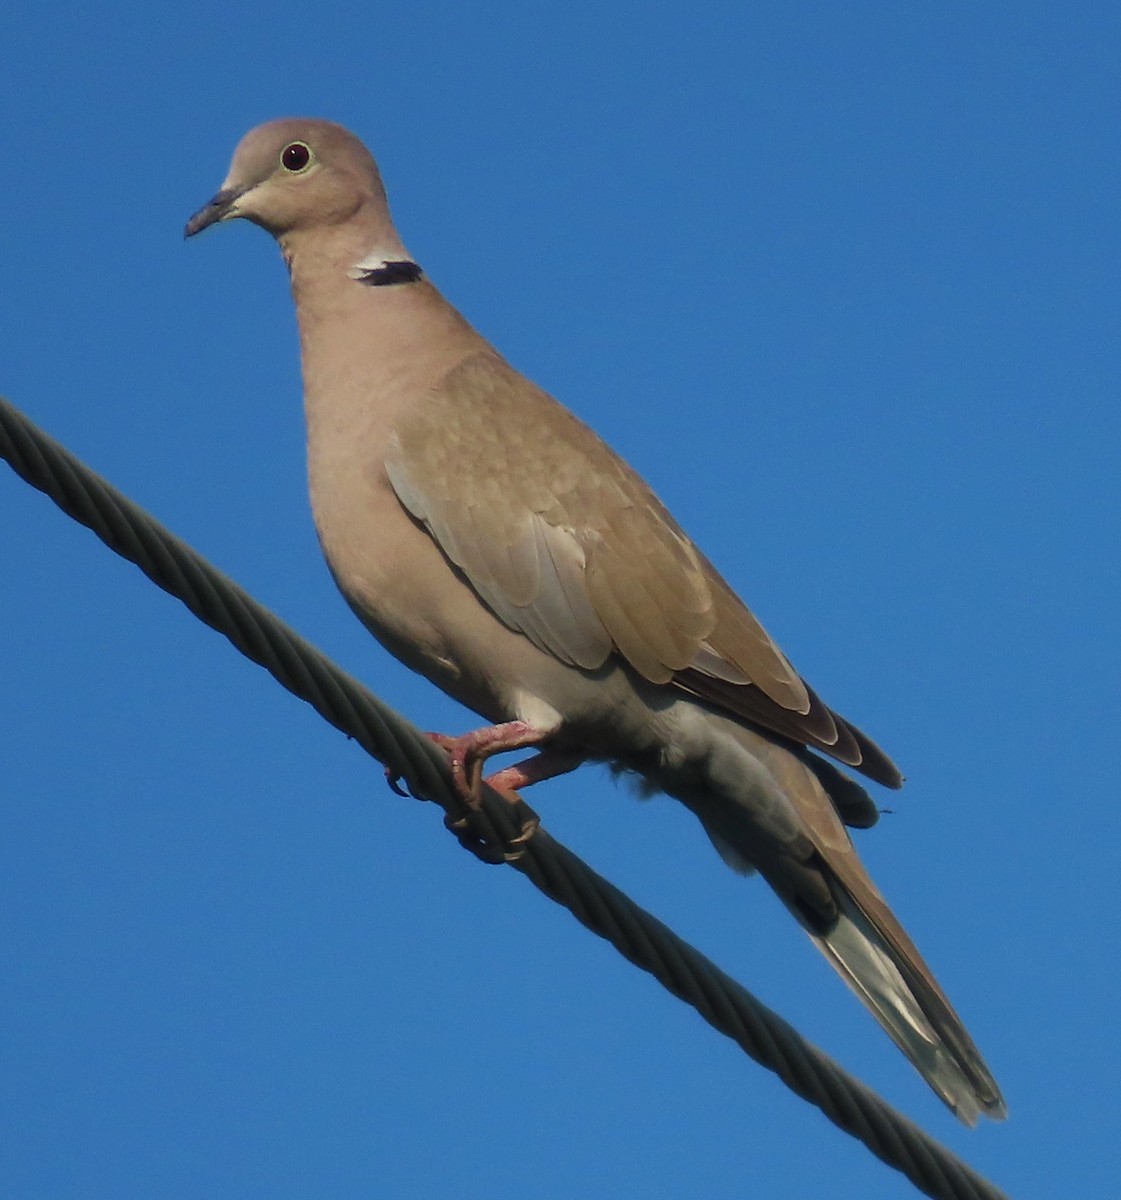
pixel 295 156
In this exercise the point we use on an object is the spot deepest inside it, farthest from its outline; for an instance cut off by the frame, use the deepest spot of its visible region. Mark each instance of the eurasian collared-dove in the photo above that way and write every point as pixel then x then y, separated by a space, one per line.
pixel 493 543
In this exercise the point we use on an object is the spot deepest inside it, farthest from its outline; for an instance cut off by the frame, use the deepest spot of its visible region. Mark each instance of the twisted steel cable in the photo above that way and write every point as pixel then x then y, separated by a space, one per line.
pixel 407 753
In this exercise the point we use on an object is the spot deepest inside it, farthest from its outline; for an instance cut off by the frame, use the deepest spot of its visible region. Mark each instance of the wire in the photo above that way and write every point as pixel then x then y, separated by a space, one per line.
pixel 407 753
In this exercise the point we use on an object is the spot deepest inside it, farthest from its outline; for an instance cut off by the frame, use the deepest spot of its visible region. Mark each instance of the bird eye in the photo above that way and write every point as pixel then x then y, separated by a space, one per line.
pixel 295 157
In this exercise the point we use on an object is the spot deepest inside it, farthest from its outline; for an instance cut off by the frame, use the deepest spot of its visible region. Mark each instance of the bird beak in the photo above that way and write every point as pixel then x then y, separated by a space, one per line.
pixel 215 210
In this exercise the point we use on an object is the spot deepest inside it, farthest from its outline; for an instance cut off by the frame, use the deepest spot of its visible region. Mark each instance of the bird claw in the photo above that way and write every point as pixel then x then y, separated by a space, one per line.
pixel 394 782
pixel 488 852
pixel 467 754
pixel 516 846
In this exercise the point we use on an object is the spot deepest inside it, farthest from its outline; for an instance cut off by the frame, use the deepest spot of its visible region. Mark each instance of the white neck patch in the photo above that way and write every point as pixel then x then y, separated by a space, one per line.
pixel 378 259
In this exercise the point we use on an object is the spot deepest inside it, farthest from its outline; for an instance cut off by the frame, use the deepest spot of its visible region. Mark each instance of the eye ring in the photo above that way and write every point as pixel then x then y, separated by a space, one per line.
pixel 296 157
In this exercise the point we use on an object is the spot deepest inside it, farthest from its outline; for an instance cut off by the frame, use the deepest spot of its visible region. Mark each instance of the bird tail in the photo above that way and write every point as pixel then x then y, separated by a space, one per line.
pixel 879 962
pixel 789 828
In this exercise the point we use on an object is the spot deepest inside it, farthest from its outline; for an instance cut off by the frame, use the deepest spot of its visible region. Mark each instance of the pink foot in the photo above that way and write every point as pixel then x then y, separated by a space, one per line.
pixel 470 751
pixel 545 764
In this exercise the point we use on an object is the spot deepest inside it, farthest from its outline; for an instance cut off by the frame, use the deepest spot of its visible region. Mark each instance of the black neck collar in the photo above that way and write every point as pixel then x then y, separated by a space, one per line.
pixel 390 273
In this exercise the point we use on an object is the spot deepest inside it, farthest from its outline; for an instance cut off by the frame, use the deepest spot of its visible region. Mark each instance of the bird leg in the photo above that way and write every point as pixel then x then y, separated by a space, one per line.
pixel 469 752
pixel 545 764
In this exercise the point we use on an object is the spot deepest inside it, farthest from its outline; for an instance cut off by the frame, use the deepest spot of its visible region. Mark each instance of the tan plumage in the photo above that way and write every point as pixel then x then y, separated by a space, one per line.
pixel 494 543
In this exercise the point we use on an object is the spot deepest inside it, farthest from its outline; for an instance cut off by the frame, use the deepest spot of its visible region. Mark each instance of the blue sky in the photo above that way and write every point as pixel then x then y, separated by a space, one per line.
pixel 841 282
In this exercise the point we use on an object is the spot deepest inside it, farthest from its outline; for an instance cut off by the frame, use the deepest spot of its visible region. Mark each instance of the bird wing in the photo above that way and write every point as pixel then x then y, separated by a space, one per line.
pixel 566 544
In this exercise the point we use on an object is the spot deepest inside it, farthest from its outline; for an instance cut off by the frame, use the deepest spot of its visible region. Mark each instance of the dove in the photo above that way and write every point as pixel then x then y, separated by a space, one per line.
pixel 495 544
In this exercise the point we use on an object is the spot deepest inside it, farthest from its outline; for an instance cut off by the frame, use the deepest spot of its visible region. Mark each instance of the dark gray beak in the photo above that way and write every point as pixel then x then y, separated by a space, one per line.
pixel 214 211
